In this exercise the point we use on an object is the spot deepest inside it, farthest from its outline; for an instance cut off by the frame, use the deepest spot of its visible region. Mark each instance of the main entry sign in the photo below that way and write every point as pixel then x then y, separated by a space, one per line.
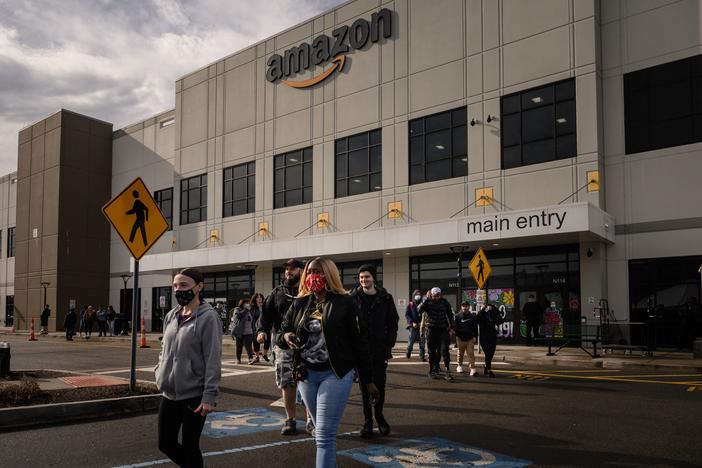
pixel 136 217
pixel 480 268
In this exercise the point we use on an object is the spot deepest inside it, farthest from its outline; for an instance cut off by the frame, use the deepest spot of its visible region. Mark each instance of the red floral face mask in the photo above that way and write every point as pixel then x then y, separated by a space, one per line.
pixel 315 282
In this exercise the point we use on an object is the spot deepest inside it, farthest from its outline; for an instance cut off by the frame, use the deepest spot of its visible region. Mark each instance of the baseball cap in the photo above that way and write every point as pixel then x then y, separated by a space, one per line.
pixel 294 263
pixel 435 290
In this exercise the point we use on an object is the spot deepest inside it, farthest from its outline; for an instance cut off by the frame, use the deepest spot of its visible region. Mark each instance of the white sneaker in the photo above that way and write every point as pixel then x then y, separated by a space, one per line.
pixel 459 369
pixel 473 372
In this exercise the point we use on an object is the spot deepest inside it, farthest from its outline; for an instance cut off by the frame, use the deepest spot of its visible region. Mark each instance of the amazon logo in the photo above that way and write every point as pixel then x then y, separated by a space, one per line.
pixel 324 48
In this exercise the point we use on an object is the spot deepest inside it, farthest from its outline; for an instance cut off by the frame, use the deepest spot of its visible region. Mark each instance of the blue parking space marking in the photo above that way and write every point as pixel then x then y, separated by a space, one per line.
pixel 431 452
pixel 245 421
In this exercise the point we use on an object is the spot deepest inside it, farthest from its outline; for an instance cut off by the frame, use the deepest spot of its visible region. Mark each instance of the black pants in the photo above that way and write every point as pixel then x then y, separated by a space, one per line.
pixel 489 344
pixel 438 343
pixel 379 377
pixel 532 327
pixel 102 328
pixel 172 415
pixel 70 331
pixel 256 344
pixel 244 341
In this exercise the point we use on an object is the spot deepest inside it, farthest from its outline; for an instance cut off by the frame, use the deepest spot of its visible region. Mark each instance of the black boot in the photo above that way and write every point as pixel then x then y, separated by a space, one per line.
pixel 290 427
pixel 367 429
pixel 383 426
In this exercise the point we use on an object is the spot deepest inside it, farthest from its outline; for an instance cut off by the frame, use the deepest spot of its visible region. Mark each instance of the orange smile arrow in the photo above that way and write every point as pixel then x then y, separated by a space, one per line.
pixel 337 64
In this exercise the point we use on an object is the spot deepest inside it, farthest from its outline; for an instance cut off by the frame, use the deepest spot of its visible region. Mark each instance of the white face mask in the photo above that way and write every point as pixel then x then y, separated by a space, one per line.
pixel 417 297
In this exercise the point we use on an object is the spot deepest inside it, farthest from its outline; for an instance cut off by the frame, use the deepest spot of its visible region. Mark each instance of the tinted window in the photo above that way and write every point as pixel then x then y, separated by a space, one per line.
pixel 239 189
pixel 358 164
pixel 292 178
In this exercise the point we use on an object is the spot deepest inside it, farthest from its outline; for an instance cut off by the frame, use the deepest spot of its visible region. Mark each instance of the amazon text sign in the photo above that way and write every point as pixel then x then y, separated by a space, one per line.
pixel 324 48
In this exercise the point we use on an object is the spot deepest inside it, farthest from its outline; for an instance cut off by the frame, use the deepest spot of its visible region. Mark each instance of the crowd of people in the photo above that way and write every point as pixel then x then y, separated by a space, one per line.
pixel 321 338
pixel 102 316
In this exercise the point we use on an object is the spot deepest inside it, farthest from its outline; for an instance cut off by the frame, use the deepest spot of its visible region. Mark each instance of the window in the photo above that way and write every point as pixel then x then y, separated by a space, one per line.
pixel 239 195
pixel 167 122
pixel 230 286
pixel 292 178
pixel 0 243
pixel 164 200
pixel 438 146
pixel 663 105
pixel 10 242
pixel 538 125
pixel 193 199
pixel 349 272
pixel 357 164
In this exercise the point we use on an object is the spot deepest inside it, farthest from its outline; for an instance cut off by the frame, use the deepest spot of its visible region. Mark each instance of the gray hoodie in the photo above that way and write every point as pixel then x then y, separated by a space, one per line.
pixel 190 361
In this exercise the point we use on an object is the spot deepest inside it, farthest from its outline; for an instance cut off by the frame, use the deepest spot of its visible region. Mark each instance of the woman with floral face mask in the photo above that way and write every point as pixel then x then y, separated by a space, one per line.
pixel 330 340
pixel 188 370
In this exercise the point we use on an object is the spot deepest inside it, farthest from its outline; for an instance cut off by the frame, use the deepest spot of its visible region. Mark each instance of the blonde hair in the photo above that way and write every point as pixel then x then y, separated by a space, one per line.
pixel 331 274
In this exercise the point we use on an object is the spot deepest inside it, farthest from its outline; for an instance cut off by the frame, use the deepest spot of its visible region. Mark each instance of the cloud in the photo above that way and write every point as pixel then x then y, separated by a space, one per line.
pixel 118 61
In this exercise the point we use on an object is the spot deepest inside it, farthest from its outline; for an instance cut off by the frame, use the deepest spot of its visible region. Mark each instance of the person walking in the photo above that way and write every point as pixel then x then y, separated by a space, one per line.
pixel 89 319
pixel 466 336
pixel 488 319
pixel 532 313
pixel 81 327
pixel 44 319
pixel 274 308
pixel 437 323
pixel 188 371
pixel 255 306
pixel 69 324
pixel 111 316
pixel 377 308
pixel 101 317
pixel 414 318
pixel 324 327
pixel 242 330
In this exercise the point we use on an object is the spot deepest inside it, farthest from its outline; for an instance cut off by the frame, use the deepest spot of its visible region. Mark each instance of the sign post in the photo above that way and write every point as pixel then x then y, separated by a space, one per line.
pixel 136 217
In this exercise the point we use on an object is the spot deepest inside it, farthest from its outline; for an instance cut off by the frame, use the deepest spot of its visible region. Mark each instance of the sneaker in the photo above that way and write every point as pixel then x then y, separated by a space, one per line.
pixel 459 369
pixel 309 427
pixel 366 431
pixel 433 375
pixel 423 359
pixel 383 426
pixel 290 427
pixel 408 355
pixel 473 372
pixel 448 376
pixel 265 357
pixel 238 361
pixel 252 361
pixel 491 374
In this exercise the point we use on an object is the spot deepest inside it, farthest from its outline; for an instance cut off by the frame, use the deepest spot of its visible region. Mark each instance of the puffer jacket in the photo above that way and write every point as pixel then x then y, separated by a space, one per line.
pixel 274 308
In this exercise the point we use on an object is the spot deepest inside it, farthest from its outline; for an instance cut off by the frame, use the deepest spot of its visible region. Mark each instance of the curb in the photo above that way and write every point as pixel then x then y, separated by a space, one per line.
pixel 26 417
pixel 603 363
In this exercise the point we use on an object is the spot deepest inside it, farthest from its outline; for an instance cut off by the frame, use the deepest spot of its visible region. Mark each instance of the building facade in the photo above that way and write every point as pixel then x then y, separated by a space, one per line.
pixel 404 132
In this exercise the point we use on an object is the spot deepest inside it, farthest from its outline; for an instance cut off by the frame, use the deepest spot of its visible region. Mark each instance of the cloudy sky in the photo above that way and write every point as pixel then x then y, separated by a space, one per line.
pixel 117 60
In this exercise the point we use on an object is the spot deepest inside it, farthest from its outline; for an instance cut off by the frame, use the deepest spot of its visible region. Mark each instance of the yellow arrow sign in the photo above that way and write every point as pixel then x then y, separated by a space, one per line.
pixel 480 268
pixel 136 217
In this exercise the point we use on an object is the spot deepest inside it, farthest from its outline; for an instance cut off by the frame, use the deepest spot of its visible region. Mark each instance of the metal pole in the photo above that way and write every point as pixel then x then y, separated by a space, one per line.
pixel 459 296
pixel 135 304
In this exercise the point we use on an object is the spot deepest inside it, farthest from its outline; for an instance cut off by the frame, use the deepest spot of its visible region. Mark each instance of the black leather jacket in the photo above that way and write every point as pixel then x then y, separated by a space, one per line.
pixel 274 308
pixel 381 320
pixel 345 334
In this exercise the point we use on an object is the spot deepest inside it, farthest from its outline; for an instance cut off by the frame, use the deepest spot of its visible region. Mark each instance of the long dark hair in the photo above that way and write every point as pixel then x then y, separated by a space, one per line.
pixel 252 301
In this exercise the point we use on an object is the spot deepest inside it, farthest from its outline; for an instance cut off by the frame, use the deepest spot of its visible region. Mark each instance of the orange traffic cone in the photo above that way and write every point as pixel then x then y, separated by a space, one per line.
pixel 142 341
pixel 31 332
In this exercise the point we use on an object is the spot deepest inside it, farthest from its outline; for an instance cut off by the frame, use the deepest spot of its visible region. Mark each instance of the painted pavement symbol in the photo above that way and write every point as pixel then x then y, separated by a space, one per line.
pixel 430 452
pixel 240 422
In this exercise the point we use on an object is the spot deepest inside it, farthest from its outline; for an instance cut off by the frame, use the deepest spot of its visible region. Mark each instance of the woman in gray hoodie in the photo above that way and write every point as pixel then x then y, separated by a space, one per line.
pixel 188 370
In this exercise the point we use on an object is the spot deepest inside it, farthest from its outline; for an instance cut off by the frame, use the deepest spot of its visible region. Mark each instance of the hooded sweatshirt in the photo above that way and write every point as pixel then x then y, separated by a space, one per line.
pixel 190 361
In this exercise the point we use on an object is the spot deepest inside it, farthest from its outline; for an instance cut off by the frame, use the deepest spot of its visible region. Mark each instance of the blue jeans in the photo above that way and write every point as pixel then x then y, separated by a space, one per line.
pixel 325 397
pixel 415 336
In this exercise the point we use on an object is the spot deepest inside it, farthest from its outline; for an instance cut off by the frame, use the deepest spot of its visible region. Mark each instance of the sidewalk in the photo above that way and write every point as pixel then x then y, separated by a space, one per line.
pixel 527 355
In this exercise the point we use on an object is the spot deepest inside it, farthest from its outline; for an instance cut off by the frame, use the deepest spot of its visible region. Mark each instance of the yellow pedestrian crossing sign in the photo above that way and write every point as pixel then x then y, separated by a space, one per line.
pixel 136 217
pixel 480 267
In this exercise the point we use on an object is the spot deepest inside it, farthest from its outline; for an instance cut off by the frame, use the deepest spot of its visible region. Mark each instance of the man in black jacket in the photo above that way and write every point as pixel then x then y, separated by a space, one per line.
pixel 437 321
pixel 489 318
pixel 532 313
pixel 378 311
pixel 466 336
pixel 274 308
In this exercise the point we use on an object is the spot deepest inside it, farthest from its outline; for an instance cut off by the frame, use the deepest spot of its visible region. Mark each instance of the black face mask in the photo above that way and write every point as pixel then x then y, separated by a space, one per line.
pixel 185 297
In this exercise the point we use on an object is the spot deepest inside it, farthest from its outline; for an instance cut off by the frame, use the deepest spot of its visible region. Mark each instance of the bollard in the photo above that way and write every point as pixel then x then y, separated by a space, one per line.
pixel 4 359
pixel 31 332
pixel 142 342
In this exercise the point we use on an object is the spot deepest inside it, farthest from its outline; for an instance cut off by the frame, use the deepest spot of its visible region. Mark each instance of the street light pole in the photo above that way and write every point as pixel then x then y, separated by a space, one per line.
pixel 45 284
pixel 125 278
pixel 459 250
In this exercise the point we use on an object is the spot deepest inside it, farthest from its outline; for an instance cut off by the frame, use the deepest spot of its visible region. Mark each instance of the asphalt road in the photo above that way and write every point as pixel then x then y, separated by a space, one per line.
pixel 526 416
